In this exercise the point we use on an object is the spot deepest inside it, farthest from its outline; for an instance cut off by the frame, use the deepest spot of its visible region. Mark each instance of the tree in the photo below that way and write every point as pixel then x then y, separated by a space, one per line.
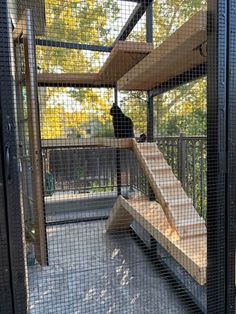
pixel 80 22
pixel 181 110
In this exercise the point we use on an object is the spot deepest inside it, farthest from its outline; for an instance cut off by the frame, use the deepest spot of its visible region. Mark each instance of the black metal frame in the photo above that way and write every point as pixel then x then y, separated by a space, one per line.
pixel 11 225
pixel 139 10
pixel 221 152
pixel 70 45
pixel 118 164
pixel 231 160
pixel 6 297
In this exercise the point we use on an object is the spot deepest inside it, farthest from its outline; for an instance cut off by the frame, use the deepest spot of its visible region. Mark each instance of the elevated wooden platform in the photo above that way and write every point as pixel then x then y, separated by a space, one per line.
pixel 177 206
pixel 81 142
pixel 176 55
pixel 122 58
pixel 189 252
pixel 65 79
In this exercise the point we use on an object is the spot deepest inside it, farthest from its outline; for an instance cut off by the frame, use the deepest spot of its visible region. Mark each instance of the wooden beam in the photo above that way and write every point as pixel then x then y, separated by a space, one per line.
pixel 135 16
pixel 177 54
pixel 123 57
pixel 81 142
pixel 45 79
pixel 188 252
pixel 120 218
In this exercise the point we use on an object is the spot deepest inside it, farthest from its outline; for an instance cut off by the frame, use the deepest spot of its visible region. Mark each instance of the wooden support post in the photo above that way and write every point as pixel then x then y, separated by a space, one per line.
pixel 120 218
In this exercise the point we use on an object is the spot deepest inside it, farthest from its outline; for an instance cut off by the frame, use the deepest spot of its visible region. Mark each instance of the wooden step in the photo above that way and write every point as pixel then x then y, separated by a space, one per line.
pixel 170 184
pixel 173 193
pixel 156 168
pixel 153 155
pixel 180 201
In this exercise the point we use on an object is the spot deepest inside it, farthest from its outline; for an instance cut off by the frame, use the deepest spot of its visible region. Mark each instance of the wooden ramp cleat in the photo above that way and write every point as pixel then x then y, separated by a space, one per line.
pixel 177 206
pixel 190 252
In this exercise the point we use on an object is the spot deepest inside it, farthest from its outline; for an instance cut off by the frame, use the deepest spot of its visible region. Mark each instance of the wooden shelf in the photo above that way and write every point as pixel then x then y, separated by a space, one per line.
pixel 65 79
pixel 81 142
pixel 177 54
pixel 122 58
pixel 190 252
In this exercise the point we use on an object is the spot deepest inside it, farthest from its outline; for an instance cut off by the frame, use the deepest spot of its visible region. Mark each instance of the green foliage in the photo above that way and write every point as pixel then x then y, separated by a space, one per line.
pixel 183 110
pixel 107 188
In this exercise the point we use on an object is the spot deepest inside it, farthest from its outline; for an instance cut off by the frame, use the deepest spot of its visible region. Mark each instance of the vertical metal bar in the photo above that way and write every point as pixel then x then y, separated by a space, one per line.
pixel 201 176
pixel 6 297
pixel 149 39
pixel 231 160
pixel 216 156
pixel 193 148
pixel 182 159
pixel 34 129
pixel 118 171
pixel 149 23
pixel 118 157
pixel 14 288
pixel 150 122
pixel 150 135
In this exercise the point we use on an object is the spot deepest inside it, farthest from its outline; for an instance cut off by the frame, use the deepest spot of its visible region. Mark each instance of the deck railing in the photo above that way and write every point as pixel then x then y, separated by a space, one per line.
pixel 84 170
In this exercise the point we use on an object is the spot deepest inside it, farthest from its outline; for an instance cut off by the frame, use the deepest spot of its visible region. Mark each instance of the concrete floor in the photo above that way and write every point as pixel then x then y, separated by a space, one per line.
pixel 93 272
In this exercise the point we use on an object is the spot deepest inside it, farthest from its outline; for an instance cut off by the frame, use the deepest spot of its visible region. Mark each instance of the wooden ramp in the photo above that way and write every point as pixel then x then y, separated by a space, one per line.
pixel 189 252
pixel 177 54
pixel 177 206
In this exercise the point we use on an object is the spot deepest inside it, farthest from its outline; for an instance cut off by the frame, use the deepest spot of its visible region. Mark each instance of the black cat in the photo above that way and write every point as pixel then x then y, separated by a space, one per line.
pixel 123 126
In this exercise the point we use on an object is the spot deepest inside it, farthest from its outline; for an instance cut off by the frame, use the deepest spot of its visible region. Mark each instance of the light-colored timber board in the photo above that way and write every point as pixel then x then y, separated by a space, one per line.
pixel 191 252
pixel 174 56
pixel 68 78
pixel 81 142
pixel 122 58
pixel 119 219
pixel 177 206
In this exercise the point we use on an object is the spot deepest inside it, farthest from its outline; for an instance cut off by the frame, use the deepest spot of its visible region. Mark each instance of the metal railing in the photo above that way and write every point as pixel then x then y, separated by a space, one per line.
pixel 187 157
pixel 85 170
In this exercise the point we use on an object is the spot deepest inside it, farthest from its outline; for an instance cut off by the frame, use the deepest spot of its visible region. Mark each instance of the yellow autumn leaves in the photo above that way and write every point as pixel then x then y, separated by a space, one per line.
pixel 61 120
pixel 66 111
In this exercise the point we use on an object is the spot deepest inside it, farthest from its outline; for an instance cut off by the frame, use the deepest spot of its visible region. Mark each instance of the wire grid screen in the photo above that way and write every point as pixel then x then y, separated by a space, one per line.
pixel 111 111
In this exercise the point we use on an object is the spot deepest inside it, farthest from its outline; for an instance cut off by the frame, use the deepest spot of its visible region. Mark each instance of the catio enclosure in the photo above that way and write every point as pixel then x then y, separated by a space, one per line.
pixel 94 220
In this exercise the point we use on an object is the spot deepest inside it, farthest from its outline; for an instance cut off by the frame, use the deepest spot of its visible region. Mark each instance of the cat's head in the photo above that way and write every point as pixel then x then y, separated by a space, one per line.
pixel 115 110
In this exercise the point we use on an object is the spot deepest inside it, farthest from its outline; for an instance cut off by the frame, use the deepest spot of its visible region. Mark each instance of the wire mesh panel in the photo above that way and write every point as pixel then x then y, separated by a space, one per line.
pixel 112 127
